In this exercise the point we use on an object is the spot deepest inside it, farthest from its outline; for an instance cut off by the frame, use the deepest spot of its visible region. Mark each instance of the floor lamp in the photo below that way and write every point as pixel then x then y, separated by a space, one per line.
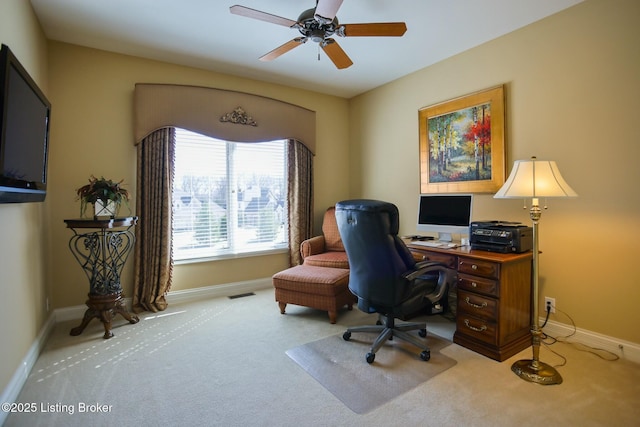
pixel 535 179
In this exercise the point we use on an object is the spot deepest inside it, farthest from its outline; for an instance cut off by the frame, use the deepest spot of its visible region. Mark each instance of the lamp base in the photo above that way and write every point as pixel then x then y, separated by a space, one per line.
pixel 538 372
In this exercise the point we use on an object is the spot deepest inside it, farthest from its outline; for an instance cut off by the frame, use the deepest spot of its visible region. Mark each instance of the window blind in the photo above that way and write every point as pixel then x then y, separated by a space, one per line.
pixel 228 197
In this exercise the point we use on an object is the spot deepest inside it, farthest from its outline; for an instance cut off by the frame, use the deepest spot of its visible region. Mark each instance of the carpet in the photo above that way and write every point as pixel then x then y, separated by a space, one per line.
pixel 341 368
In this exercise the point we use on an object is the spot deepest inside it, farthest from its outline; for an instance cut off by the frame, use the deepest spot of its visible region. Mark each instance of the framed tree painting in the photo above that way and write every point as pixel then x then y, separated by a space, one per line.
pixel 462 147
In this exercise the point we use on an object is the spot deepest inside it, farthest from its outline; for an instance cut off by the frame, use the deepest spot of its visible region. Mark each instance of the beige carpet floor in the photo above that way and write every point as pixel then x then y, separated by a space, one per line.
pixel 223 362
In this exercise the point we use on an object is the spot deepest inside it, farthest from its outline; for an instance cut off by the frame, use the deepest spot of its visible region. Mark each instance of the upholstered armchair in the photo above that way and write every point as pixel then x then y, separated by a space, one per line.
pixel 327 249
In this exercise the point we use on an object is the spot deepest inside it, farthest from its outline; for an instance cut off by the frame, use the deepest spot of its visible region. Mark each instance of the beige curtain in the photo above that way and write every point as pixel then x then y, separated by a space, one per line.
pixel 300 196
pixel 153 261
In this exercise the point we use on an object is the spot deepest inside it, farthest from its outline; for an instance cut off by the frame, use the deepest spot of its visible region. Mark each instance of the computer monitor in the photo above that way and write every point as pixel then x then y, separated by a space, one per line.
pixel 445 214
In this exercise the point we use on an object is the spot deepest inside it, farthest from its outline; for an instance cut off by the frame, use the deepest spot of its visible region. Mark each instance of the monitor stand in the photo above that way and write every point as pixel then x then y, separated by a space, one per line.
pixel 445 237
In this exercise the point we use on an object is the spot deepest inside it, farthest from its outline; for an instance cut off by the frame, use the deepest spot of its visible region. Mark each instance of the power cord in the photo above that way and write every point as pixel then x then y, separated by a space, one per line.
pixel 549 340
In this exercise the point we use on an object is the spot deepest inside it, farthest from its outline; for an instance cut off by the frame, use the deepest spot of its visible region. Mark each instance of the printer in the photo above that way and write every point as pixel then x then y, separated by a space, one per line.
pixel 500 236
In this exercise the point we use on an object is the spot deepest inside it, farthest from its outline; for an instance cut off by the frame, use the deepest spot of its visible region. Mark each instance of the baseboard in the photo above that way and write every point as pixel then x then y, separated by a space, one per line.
pixel 624 349
pixel 175 297
pixel 198 294
pixel 12 390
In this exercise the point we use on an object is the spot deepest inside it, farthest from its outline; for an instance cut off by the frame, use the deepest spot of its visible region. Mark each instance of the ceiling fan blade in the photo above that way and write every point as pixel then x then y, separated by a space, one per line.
pixel 385 29
pixel 262 16
pixel 327 9
pixel 283 49
pixel 336 54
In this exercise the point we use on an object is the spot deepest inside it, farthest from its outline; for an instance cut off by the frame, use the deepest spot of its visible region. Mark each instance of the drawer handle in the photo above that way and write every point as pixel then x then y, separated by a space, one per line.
pixel 474 267
pixel 473 328
pixel 484 304
pixel 474 285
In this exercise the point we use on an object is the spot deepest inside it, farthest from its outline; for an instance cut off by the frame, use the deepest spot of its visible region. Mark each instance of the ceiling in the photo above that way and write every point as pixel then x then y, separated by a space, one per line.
pixel 204 34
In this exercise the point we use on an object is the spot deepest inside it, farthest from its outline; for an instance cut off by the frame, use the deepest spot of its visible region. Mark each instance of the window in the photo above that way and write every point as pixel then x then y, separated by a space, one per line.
pixel 229 198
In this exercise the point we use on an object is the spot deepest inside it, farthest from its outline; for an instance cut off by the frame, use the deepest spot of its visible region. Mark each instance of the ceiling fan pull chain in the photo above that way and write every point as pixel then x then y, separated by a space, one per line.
pixel 318 51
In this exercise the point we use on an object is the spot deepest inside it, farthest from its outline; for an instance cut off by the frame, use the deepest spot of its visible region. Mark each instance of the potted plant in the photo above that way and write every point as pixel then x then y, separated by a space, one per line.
pixel 104 194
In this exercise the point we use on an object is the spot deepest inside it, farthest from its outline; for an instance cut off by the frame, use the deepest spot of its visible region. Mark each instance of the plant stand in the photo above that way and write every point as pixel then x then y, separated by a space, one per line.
pixel 102 253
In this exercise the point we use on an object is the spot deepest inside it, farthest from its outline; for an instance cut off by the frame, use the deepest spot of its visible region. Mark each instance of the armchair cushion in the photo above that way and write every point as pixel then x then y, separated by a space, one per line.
pixel 328 259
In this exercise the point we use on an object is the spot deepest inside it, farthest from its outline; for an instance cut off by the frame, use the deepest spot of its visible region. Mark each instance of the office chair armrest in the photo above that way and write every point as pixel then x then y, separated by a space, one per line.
pixel 423 268
pixel 312 246
pixel 446 278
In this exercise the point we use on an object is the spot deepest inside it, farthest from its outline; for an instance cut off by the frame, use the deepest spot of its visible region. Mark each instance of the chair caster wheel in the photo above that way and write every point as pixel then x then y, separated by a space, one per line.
pixel 422 333
pixel 425 355
pixel 346 336
pixel 371 357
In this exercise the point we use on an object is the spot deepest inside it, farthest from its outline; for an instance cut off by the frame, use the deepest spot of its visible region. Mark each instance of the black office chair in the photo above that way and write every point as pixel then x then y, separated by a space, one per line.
pixel 383 274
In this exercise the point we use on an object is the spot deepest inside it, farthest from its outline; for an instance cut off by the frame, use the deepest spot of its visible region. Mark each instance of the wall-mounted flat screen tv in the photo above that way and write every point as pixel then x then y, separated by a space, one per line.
pixel 24 133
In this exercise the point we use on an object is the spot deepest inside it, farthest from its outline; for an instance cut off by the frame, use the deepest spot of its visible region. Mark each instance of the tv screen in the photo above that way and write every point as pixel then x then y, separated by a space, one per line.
pixel 24 133
pixel 445 214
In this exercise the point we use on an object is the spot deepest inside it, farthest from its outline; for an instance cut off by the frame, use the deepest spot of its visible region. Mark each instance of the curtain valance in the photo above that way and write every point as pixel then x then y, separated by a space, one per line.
pixel 222 114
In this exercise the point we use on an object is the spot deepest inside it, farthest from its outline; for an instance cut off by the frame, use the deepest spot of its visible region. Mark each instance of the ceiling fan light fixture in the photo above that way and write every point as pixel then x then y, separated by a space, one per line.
pixel 317 35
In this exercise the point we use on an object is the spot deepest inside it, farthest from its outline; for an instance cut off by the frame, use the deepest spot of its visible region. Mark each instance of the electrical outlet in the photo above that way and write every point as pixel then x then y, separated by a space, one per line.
pixel 549 304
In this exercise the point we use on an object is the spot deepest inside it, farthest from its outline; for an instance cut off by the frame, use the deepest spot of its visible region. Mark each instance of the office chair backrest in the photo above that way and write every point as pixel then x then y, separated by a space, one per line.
pixel 377 256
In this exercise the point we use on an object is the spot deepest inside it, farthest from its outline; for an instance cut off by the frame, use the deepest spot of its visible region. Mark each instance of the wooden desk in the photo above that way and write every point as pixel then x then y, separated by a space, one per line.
pixel 102 248
pixel 493 298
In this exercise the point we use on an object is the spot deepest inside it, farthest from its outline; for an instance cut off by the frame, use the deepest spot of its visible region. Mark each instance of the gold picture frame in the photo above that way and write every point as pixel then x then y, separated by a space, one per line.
pixel 462 144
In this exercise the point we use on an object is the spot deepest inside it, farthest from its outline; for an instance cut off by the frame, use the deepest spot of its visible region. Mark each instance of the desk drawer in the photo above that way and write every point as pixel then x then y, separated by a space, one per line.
pixel 477 305
pixel 448 260
pixel 478 284
pixel 476 328
pixel 479 267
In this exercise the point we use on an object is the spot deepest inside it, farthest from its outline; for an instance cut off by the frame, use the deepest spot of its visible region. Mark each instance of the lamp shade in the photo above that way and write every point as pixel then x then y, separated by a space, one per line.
pixel 535 178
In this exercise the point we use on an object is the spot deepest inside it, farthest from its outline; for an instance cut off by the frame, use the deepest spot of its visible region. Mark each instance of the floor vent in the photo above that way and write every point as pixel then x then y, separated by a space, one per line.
pixel 248 294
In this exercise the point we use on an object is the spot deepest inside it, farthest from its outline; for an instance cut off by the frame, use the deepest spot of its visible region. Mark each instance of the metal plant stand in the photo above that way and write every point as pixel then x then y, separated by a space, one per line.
pixel 102 247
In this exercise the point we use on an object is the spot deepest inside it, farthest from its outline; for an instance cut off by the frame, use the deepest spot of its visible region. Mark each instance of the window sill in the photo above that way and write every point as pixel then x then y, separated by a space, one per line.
pixel 231 256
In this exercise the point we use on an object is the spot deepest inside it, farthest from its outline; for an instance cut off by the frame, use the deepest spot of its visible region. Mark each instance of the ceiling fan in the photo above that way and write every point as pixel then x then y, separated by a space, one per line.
pixel 318 25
